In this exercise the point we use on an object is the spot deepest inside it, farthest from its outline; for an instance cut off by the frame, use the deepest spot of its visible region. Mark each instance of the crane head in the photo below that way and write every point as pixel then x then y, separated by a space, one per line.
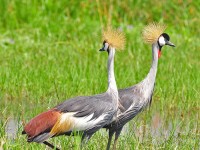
pixel 154 33
pixel 164 39
pixel 105 46
pixel 113 38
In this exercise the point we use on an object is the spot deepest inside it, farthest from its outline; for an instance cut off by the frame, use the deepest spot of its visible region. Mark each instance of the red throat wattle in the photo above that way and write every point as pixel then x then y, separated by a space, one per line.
pixel 159 53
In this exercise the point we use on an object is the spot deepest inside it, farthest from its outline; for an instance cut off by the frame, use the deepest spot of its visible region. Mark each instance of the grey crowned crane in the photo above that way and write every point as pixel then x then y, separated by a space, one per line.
pixel 135 98
pixel 85 114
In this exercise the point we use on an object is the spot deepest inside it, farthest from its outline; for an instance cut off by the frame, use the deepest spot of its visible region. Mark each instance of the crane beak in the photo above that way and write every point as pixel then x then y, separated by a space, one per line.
pixel 170 44
pixel 102 49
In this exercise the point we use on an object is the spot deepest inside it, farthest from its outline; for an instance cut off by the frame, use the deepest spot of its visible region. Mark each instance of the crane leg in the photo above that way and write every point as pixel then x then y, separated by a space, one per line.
pixel 117 133
pixel 50 145
pixel 109 139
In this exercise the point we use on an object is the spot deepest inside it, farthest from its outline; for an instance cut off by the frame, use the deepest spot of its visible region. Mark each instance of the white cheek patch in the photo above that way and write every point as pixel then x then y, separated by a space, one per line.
pixel 161 41
pixel 106 46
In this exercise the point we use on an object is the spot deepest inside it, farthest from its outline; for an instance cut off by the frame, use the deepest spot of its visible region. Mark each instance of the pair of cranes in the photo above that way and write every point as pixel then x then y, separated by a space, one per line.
pixel 110 110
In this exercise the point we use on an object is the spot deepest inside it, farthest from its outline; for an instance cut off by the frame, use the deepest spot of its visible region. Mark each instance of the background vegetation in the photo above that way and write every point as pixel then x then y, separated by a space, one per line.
pixel 49 53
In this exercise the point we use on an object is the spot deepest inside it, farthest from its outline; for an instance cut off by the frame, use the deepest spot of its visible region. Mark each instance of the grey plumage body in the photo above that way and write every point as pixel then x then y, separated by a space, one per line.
pixel 99 105
pixel 134 99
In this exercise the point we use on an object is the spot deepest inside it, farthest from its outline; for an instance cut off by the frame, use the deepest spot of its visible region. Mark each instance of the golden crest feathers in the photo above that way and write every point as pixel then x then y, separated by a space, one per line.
pixel 114 38
pixel 152 32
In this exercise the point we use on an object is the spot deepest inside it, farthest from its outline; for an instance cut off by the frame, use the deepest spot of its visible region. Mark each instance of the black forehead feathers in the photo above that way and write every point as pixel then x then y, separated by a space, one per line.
pixel 104 42
pixel 166 36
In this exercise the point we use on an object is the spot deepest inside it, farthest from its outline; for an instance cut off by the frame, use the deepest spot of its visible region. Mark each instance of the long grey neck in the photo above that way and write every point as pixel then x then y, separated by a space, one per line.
pixel 112 86
pixel 154 65
pixel 149 81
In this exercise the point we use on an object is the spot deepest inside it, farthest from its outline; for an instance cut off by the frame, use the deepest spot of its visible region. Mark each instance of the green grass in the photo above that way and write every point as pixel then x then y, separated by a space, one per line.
pixel 49 53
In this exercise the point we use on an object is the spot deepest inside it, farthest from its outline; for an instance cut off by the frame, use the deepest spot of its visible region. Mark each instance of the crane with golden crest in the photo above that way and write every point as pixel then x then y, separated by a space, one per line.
pixel 136 98
pixel 86 114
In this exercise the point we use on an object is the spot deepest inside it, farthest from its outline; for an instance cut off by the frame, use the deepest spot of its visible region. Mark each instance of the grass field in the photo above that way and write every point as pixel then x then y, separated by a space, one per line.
pixel 49 53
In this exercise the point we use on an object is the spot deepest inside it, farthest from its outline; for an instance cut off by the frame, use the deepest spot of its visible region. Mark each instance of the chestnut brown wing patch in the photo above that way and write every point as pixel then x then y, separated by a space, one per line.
pixel 43 122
